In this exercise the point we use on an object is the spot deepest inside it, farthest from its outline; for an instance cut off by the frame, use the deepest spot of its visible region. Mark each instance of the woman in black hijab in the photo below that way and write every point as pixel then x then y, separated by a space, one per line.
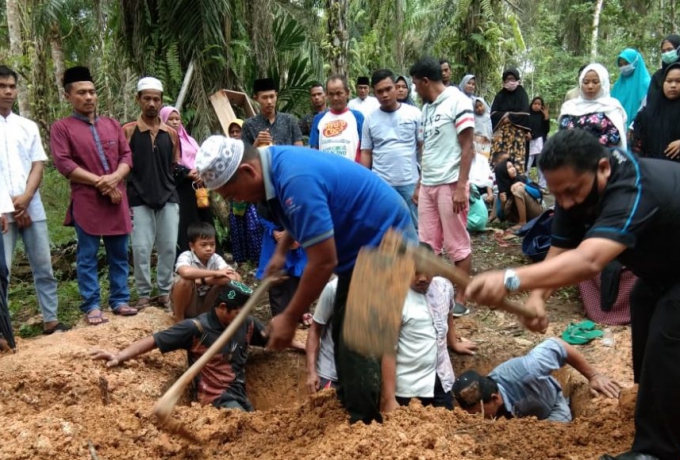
pixel 670 54
pixel 539 123
pixel 510 120
pixel 403 85
pixel 657 126
pixel 518 197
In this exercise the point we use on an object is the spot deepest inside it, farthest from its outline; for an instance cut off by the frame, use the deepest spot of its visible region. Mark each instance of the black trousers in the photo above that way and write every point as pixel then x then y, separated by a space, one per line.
pixel 280 295
pixel 440 398
pixel 655 311
pixel 358 376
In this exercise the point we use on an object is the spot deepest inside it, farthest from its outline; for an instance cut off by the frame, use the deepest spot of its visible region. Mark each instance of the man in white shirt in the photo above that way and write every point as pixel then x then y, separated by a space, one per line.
pixel 21 162
pixel 339 130
pixel 363 102
pixel 321 372
pixel 421 367
pixel 389 144
pixel 443 195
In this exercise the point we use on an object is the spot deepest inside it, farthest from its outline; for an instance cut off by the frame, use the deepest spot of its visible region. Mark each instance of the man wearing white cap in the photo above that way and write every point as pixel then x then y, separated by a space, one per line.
pixel 152 193
pixel 333 208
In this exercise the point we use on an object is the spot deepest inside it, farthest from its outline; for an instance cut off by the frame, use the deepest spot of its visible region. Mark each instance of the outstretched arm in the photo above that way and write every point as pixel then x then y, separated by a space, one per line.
pixel 138 348
pixel 388 370
pixel 599 383
pixel 313 340
pixel 462 347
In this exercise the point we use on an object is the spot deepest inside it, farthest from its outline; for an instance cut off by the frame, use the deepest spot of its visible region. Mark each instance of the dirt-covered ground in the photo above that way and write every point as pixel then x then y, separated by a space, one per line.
pixel 55 403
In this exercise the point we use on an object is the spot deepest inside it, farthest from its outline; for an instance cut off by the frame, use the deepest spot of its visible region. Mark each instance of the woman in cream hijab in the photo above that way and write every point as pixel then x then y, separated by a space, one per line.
pixel 595 110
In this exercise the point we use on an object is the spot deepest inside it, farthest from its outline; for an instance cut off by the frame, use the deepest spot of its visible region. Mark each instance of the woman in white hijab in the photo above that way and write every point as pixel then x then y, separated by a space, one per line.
pixel 595 110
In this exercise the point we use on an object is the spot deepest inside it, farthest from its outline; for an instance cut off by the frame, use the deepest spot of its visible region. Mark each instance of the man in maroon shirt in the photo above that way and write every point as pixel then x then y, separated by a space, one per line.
pixel 92 152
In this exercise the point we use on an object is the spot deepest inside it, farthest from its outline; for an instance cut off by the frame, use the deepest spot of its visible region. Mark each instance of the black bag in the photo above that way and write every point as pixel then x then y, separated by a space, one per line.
pixel 536 240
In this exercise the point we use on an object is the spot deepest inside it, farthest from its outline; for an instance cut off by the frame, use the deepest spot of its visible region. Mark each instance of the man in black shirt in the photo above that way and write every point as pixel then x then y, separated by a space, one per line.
pixel 611 205
pixel 222 382
pixel 317 99
pixel 152 194
pixel 270 126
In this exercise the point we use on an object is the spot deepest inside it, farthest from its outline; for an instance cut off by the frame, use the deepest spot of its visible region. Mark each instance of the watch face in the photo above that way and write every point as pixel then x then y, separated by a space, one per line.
pixel 511 281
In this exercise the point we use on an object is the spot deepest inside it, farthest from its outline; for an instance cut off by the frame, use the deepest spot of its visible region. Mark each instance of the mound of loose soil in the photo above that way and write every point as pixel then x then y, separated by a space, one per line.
pixel 55 402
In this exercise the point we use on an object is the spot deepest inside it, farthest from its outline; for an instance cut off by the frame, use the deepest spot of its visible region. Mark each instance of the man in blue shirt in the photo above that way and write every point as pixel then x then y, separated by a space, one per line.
pixel 524 386
pixel 332 207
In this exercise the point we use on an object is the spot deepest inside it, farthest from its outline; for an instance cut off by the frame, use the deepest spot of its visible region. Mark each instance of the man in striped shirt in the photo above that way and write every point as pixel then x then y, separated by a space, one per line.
pixel 448 126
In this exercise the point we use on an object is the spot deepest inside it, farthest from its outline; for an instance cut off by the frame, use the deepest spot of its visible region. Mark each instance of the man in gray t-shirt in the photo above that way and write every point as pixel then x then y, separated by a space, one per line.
pixel 321 371
pixel 524 386
pixel 390 143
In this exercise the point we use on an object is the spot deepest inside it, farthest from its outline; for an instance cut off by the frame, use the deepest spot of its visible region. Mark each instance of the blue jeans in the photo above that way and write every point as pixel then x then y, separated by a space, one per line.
pixel 36 241
pixel 86 269
pixel 406 192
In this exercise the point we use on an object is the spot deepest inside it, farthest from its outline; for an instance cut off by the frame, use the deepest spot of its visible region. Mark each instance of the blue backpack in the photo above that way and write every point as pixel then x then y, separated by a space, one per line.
pixel 536 233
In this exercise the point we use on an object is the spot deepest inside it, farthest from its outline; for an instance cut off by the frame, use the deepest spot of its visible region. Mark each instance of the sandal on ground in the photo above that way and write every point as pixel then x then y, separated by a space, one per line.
pixel 164 301
pixel 95 319
pixel 581 333
pixel 306 319
pixel 60 327
pixel 125 310
pixel 459 310
pixel 142 303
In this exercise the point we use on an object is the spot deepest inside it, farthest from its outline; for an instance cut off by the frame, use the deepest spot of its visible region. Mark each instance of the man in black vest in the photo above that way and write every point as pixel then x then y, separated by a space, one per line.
pixel 151 192
pixel 611 205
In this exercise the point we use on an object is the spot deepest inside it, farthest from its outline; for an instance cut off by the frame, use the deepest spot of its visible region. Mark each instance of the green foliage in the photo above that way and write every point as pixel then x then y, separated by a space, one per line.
pixel 55 192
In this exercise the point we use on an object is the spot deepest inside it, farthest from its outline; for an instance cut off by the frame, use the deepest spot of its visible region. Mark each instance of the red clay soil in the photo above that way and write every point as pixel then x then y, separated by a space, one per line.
pixel 55 402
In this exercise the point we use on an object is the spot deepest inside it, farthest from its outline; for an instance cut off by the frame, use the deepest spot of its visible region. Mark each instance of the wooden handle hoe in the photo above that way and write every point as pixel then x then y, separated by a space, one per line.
pixel 379 285
pixel 430 263
pixel 164 406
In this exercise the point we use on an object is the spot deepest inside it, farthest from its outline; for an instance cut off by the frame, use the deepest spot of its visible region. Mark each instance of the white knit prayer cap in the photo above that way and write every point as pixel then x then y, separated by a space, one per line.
pixel 217 160
pixel 149 83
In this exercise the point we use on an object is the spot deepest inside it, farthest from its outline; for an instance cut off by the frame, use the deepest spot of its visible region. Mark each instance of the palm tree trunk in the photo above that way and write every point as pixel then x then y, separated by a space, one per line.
pixel 337 11
pixel 185 86
pixel 16 50
pixel 261 35
pixel 596 29
pixel 399 33
pixel 57 50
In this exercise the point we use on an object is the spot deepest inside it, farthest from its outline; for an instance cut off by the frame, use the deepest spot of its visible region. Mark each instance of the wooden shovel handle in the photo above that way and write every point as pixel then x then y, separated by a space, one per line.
pixel 430 263
pixel 166 403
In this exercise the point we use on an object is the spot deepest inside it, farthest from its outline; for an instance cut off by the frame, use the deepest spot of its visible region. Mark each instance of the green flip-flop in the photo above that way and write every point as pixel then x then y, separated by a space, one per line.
pixel 581 333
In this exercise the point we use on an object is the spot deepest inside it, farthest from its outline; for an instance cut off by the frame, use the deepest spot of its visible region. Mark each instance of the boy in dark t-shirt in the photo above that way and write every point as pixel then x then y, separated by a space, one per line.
pixel 222 381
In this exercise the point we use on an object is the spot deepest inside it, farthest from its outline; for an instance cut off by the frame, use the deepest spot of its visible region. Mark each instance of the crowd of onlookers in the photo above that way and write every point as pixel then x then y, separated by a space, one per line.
pixel 456 161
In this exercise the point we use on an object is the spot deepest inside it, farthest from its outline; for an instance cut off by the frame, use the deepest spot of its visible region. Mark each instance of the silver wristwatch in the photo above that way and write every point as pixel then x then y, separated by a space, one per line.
pixel 511 280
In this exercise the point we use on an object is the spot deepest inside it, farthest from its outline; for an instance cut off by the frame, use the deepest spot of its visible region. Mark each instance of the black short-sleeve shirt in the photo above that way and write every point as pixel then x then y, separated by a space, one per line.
pixel 225 374
pixel 639 208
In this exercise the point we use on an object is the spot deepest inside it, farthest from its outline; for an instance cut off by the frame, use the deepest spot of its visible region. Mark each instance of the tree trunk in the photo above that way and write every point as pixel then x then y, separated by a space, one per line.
pixel 338 37
pixel 57 50
pixel 399 33
pixel 261 33
pixel 16 50
pixel 185 86
pixel 596 29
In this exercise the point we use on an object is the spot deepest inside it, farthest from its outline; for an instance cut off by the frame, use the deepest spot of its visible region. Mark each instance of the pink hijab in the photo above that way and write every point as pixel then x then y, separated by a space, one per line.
pixel 188 144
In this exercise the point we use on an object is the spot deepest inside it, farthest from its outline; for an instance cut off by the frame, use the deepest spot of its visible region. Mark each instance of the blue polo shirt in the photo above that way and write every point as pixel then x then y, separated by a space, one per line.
pixel 316 196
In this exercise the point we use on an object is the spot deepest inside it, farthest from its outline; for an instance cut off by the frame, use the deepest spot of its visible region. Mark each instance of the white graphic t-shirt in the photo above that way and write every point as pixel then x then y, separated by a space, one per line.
pixel 338 133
